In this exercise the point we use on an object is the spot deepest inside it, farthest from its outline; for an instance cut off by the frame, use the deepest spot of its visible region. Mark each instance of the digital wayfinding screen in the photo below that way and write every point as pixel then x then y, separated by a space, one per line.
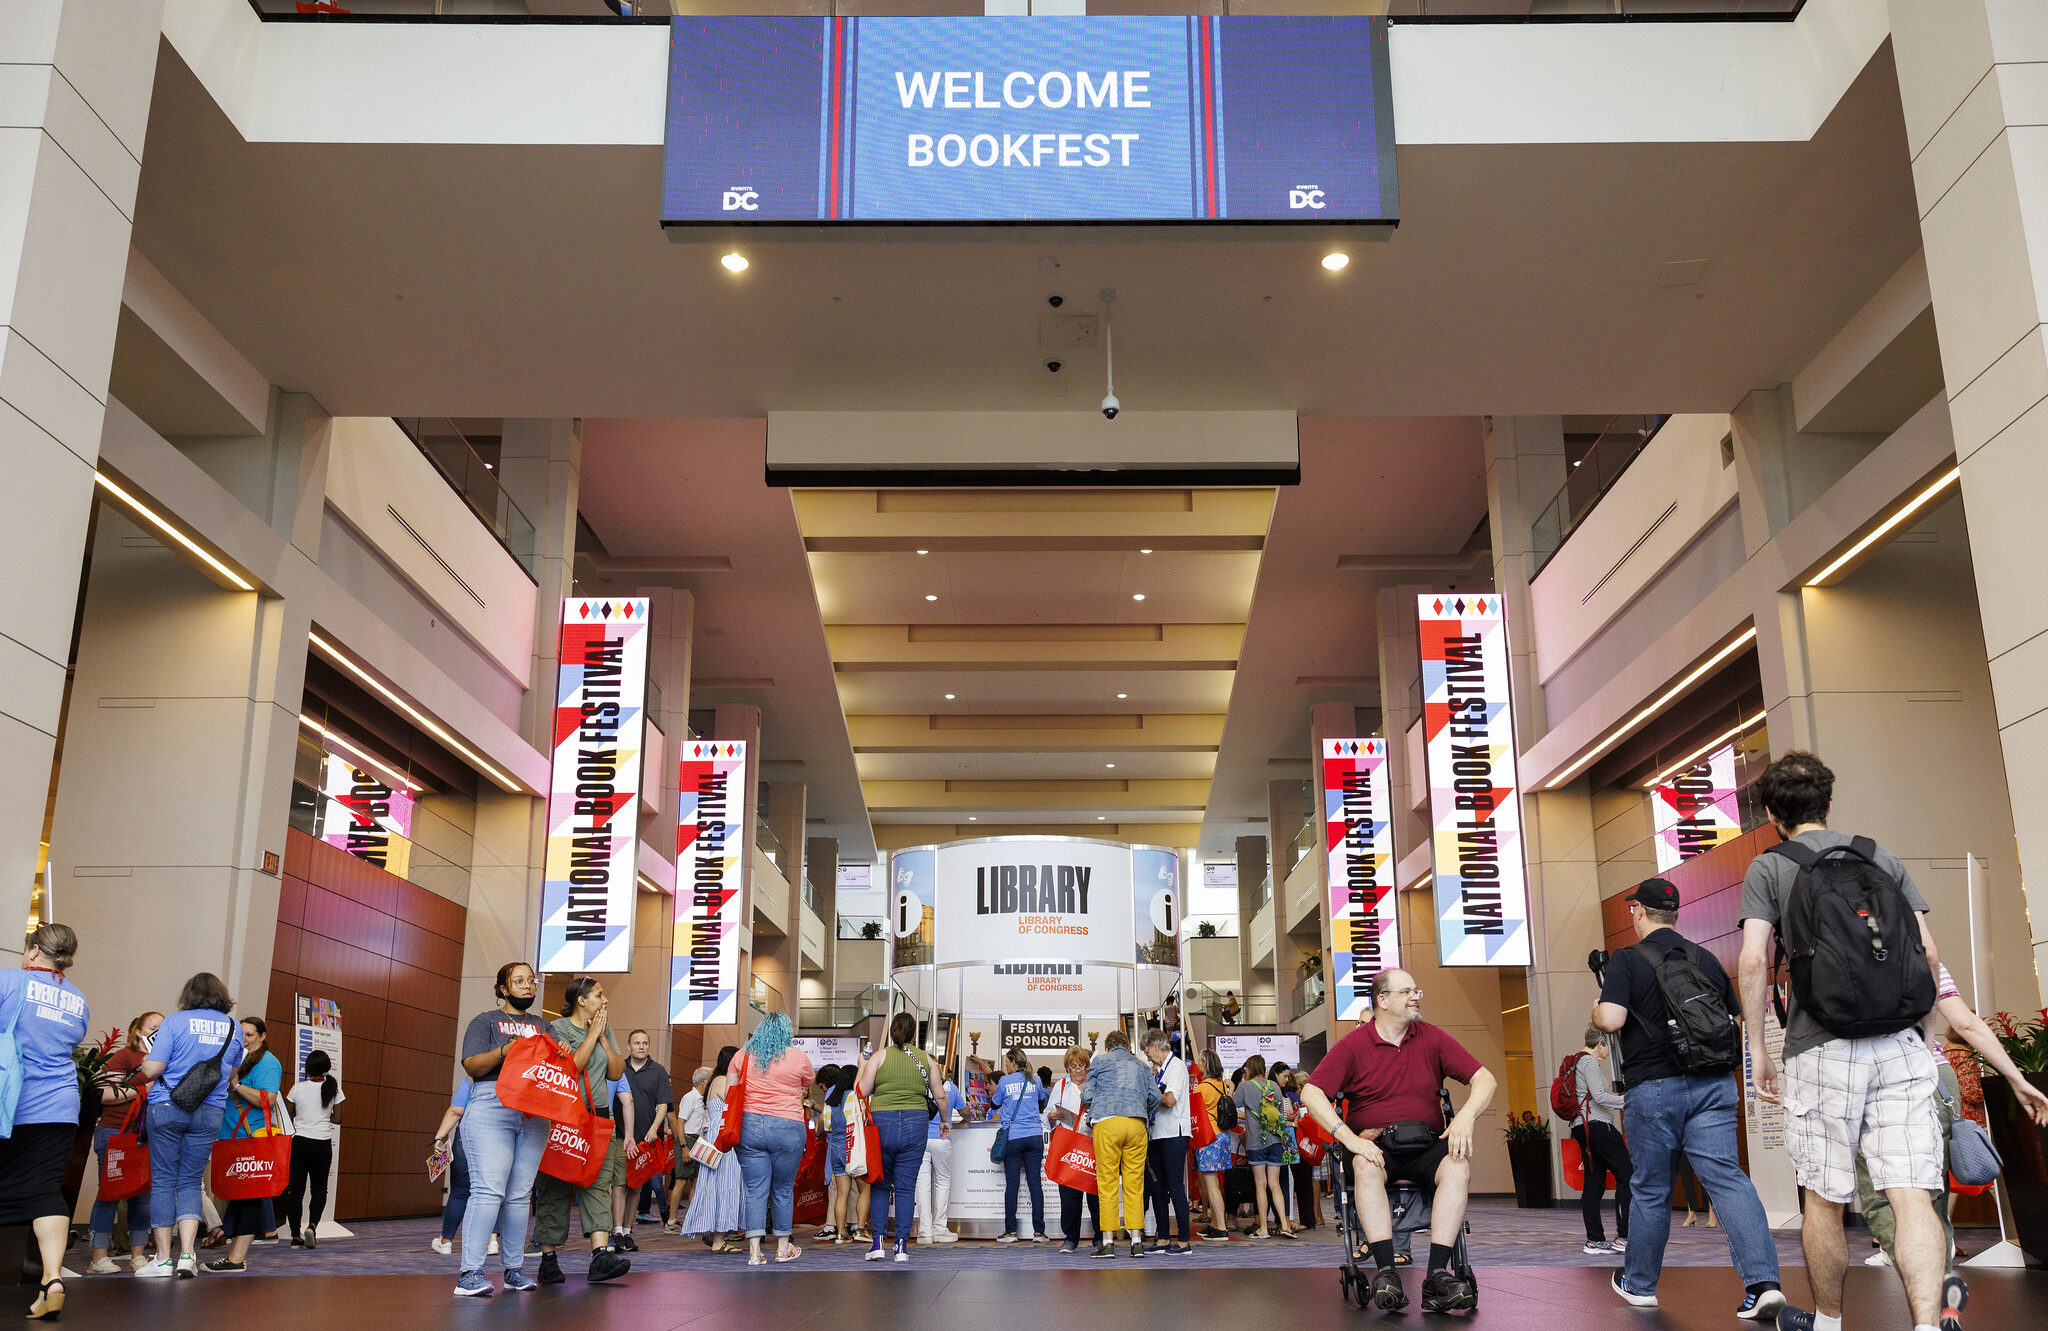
pixel 1148 119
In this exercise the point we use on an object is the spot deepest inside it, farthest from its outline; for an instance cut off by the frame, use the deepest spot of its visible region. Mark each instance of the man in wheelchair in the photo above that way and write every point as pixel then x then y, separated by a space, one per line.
pixel 1390 1072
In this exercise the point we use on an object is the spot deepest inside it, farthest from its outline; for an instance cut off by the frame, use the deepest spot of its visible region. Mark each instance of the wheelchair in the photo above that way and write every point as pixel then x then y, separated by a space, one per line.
pixel 1410 1204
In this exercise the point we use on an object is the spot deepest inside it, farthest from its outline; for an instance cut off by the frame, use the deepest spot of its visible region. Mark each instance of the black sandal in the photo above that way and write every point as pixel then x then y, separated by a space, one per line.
pixel 48 1305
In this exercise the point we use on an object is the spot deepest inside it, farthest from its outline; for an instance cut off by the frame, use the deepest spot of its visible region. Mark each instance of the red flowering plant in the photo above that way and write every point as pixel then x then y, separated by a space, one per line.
pixel 92 1065
pixel 1526 1127
pixel 2026 1042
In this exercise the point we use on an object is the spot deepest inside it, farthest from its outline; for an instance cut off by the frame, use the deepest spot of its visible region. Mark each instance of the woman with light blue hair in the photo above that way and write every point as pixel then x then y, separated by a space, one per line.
pixel 772 1118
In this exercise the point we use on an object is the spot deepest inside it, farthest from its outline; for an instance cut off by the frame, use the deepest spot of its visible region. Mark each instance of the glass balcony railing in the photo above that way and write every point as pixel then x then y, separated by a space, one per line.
pixel 845 1010
pixel 1401 11
pixel 1588 478
pixel 770 844
pixel 474 477
pixel 1309 994
pixel 861 926
pixel 763 996
pixel 1262 894
pixel 1306 842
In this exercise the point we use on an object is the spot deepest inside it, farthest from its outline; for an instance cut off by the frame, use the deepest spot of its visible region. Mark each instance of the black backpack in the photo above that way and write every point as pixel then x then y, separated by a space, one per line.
pixel 1226 1113
pixel 1858 964
pixel 1698 1025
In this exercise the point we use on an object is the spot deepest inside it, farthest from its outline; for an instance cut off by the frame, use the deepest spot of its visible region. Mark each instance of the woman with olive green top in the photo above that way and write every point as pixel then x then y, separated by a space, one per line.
pixel 896 1080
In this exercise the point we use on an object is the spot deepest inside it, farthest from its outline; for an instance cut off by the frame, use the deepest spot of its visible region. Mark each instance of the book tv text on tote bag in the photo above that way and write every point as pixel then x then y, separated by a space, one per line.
pixel 246 1169
pixel 538 1077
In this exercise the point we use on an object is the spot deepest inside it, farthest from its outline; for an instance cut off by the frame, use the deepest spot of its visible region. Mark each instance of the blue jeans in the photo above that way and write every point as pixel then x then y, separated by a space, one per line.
pixel 458 1189
pixel 1695 1115
pixel 103 1212
pixel 180 1145
pixel 504 1148
pixel 1024 1158
pixel 770 1150
pixel 903 1136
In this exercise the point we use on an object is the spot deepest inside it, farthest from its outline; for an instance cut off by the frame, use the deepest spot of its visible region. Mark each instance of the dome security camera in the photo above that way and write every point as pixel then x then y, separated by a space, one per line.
pixel 1110 407
pixel 1055 301
pixel 1053 366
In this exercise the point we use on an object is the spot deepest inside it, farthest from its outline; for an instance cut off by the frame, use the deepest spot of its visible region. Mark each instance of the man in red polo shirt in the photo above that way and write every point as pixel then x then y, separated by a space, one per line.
pixel 1389 1070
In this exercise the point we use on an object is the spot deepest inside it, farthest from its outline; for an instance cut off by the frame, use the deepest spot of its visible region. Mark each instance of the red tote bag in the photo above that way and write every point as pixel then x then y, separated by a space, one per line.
pixel 809 1203
pixel 871 1137
pixel 538 1077
pixel 124 1165
pixel 1311 1141
pixel 247 1169
pixel 1071 1161
pixel 1201 1118
pixel 653 1158
pixel 735 1105
pixel 576 1151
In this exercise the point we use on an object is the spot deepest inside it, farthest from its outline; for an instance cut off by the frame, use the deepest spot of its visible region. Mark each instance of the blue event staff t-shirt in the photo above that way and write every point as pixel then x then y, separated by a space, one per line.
pixel 956 1103
pixel 187 1039
pixel 54 1018
pixel 1025 1122
pixel 267 1075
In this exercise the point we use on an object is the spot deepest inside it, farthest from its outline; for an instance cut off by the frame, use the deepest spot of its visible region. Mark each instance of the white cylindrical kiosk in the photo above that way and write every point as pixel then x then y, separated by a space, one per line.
pixel 1034 929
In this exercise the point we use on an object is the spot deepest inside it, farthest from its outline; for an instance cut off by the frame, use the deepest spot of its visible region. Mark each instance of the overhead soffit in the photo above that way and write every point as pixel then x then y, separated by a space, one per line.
pixel 1044 606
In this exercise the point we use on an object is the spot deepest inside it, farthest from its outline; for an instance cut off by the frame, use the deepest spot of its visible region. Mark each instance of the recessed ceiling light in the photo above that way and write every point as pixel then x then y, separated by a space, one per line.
pixel 972 818
pixel 1144 552
pixel 931 598
pixel 1335 260
pixel 924 552
pixel 735 262
pixel 1101 817
pixel 1109 764
pixel 949 697
pixel 1137 596
pixel 1123 695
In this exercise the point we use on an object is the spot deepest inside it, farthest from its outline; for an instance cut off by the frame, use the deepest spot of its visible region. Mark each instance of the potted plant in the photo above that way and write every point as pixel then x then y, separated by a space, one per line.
pixel 2022 1142
pixel 1205 929
pixel 872 929
pixel 1311 962
pixel 1529 1157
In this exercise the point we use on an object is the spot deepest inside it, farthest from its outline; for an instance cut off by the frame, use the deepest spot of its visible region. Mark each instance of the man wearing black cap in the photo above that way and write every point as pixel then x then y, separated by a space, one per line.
pixel 1680 1098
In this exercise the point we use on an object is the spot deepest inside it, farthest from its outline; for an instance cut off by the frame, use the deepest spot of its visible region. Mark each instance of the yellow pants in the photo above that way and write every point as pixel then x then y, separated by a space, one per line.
pixel 1120 1145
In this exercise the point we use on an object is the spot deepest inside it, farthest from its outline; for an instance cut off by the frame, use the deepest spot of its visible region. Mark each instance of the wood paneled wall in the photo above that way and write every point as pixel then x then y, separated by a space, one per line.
pixel 1709 897
pixel 390 953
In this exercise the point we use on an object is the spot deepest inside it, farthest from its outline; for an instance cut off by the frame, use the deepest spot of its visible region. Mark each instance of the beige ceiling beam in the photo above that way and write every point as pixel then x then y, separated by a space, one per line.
pixel 1061 542
pixel 1187 733
pixel 941 796
pixel 869 647
pixel 1116 513
pixel 897 836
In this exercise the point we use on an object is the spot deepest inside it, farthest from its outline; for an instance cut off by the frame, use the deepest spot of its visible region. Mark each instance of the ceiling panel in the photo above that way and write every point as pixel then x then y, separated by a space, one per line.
pixel 1014 691
pixel 1035 587
pixel 1035 766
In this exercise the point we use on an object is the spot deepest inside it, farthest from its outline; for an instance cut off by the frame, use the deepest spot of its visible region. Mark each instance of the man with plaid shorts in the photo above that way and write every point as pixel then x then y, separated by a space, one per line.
pixel 1873 1096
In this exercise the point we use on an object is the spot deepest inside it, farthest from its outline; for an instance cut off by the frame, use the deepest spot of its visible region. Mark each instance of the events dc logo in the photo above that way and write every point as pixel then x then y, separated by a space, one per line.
pixel 742 199
pixel 1304 196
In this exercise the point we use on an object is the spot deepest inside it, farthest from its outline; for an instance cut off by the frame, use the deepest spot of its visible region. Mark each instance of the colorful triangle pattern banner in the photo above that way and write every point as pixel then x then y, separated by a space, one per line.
pixel 711 848
pixel 1365 917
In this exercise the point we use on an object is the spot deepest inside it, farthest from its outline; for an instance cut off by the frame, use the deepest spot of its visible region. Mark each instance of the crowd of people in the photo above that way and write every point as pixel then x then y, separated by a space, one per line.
pixel 185 1082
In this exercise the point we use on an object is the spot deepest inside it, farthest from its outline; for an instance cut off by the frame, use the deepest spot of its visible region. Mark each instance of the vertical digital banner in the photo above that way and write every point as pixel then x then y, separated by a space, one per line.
pixel 366 816
pixel 1155 905
pixel 587 890
pixel 1365 913
pixel 1694 809
pixel 913 897
pixel 711 845
pixel 1475 796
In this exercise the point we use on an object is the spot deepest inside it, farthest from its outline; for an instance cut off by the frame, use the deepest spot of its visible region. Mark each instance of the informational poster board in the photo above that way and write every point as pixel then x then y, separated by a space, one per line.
pixel 712 838
pixel 1770 1167
pixel 829 1049
pixel 1233 1050
pixel 588 889
pixel 316 1024
pixel 1481 886
pixel 1365 914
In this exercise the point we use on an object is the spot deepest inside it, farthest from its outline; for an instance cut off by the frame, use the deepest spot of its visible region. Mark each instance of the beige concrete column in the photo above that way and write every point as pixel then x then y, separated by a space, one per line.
pixel 1525 466
pixel 178 753
pixel 75 83
pixel 821 866
pixel 778 959
pixel 671 621
pixel 1251 871
pixel 1971 86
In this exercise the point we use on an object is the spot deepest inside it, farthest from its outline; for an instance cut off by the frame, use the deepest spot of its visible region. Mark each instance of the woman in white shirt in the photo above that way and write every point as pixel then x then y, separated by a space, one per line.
pixel 315 1102
pixel 1064 1110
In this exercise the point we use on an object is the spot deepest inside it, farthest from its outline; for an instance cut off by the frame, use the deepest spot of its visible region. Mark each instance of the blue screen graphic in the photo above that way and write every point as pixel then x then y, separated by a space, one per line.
pixel 995 120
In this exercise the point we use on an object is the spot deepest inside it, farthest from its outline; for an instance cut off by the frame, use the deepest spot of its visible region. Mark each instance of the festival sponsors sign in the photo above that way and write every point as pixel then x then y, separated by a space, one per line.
pixel 366 817
pixel 711 846
pixel 1054 1033
pixel 1365 920
pixel 1014 119
pixel 1030 898
pixel 587 891
pixel 1694 809
pixel 1475 797
pixel 1233 1050
pixel 1155 905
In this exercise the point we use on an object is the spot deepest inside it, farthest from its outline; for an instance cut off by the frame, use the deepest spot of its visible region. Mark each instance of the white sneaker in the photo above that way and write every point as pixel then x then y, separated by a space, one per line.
pixel 1619 1245
pixel 156 1268
pixel 187 1267
pixel 103 1266
pixel 442 1246
pixel 1596 1249
pixel 1877 1259
pixel 946 1236
pixel 492 1251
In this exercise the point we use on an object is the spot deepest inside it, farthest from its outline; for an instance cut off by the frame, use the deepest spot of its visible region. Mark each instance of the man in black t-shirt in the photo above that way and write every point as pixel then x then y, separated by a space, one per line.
pixel 1667 1109
pixel 638 1124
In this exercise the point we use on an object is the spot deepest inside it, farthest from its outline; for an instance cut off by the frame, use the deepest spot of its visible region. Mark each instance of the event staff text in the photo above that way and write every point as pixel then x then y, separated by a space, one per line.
pixel 1020 90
